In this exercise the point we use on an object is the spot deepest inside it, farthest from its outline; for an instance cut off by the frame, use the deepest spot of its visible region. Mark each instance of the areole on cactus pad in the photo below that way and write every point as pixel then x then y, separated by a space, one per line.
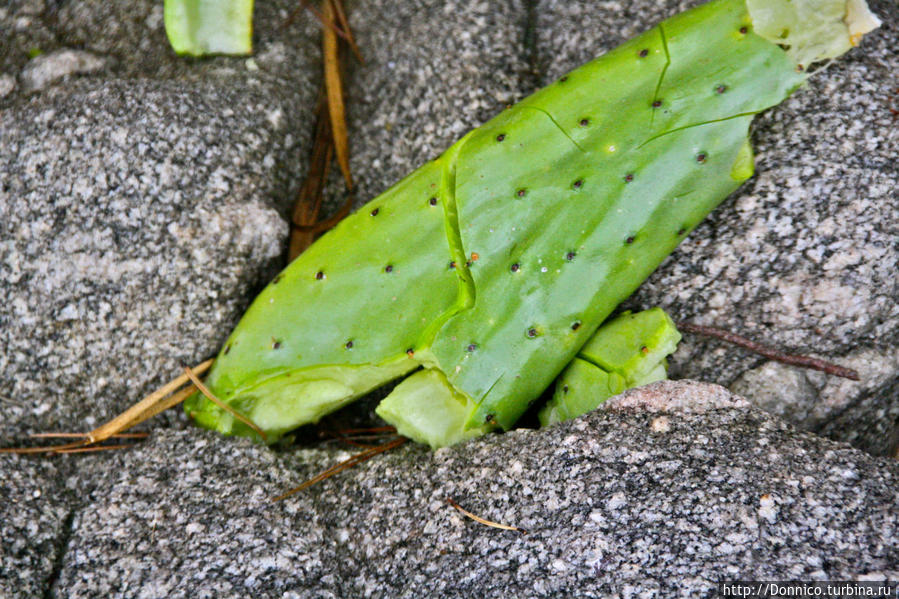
pixel 490 267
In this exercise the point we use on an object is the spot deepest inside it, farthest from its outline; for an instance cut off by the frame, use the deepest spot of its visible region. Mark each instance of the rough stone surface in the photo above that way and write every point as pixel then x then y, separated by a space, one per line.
pixel 803 256
pixel 615 504
pixel 140 209
pixel 136 220
pixel 35 521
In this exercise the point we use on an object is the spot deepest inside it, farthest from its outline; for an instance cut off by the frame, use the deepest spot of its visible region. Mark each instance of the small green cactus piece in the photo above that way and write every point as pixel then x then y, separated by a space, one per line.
pixel 628 351
pixel 201 27
pixel 493 265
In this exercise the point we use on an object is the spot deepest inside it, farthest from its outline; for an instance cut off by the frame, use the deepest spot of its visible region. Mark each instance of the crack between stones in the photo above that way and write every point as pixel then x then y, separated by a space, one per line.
pixel 62 548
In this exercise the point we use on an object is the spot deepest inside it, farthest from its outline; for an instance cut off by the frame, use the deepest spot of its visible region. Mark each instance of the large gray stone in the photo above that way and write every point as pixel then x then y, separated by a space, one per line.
pixel 670 489
pixel 137 218
pixel 804 256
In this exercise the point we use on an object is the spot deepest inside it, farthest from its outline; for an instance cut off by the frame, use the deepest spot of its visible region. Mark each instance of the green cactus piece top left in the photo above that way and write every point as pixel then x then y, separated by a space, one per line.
pixel 201 27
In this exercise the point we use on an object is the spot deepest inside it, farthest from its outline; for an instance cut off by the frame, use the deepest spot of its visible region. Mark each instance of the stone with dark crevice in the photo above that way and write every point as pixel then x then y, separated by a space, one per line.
pixel 660 493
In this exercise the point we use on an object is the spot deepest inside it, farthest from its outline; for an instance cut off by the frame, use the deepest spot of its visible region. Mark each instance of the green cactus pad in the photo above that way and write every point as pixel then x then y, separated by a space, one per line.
pixel 493 265
pixel 201 27
pixel 627 351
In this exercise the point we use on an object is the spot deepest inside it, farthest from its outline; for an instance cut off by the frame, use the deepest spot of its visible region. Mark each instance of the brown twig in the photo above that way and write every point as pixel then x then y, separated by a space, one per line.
pixel 304 4
pixel 345 26
pixel 349 463
pixel 484 521
pixel 159 400
pixel 309 199
pixel 334 90
pixel 769 352
pixel 205 391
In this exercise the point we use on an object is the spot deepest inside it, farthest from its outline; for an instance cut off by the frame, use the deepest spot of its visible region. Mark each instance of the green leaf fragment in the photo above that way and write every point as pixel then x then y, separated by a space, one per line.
pixel 202 27
pixel 626 352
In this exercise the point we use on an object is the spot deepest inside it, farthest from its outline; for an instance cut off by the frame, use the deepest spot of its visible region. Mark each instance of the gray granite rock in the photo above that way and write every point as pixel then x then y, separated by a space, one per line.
pixel 803 256
pixel 670 489
pixel 137 218
pixel 36 521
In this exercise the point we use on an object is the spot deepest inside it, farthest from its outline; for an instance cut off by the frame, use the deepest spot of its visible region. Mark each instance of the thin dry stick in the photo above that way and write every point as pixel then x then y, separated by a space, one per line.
pixel 149 406
pixel 770 352
pixel 309 199
pixel 95 448
pixel 318 15
pixel 205 391
pixel 81 436
pixel 349 463
pixel 345 26
pixel 484 521
pixel 334 89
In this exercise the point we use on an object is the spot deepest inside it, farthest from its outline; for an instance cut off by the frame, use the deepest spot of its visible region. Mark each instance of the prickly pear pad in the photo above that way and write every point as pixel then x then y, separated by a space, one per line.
pixel 494 264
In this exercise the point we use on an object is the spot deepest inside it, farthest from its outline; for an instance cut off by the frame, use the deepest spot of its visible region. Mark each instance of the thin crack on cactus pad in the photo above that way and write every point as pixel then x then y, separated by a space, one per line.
pixel 491 266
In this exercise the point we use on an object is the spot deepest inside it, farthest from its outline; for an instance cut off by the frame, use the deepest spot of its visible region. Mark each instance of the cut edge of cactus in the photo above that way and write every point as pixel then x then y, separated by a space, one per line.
pixel 812 32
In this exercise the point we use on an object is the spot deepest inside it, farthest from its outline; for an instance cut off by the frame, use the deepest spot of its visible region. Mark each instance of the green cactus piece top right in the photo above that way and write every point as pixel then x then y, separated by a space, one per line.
pixel 494 264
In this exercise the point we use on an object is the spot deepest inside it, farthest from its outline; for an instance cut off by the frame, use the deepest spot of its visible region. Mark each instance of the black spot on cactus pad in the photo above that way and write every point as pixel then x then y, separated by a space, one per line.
pixel 375 211
pixel 432 201
pixel 349 344
pixel 515 267
pixel 319 275
pixel 644 53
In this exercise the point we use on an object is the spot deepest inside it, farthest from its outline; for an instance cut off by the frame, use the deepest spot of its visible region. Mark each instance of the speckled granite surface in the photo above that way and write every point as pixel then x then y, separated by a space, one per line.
pixel 141 205
pixel 674 487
